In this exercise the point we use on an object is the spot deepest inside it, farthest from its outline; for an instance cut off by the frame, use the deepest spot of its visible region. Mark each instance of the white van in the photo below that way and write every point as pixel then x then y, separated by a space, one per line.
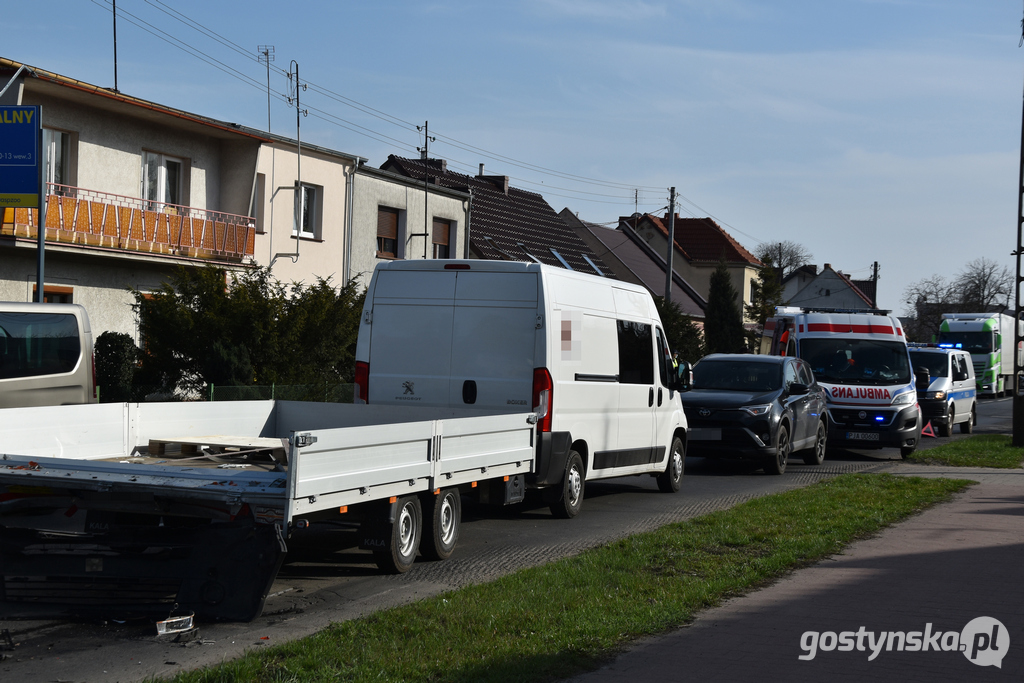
pixel 947 391
pixel 46 355
pixel 587 354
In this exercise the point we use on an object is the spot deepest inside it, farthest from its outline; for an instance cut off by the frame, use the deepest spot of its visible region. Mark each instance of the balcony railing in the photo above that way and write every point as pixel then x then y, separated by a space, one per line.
pixel 100 219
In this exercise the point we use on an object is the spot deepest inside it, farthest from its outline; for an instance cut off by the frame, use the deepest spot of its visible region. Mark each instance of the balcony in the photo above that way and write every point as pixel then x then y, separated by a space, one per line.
pixel 109 221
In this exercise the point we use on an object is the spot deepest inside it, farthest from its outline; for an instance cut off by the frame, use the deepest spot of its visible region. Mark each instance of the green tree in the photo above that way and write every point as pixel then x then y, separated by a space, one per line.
pixel 765 295
pixel 117 359
pixel 681 332
pixel 723 324
pixel 204 327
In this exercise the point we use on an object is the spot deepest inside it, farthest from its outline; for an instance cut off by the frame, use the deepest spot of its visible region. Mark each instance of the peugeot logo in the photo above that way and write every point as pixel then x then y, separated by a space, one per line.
pixel 704 412
pixel 862 414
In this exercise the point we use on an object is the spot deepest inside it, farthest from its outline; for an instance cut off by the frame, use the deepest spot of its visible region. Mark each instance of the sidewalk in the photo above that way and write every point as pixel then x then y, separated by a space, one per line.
pixel 944 567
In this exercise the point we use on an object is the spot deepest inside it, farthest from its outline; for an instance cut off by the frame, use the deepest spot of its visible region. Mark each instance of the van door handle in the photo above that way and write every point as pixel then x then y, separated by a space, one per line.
pixel 659 397
pixel 650 398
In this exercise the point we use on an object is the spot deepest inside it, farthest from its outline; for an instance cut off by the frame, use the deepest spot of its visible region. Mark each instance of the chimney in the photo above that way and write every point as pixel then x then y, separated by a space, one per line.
pixel 827 266
pixel 481 173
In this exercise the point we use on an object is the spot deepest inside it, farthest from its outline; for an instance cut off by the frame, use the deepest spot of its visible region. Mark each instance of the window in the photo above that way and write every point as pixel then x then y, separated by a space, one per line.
pixel 788 375
pixel 665 367
pixel 310 198
pixel 592 265
pixel 565 264
pixel 33 344
pixel 57 151
pixel 259 198
pixel 162 181
pixel 387 232
pixel 54 294
pixel 441 236
pixel 636 353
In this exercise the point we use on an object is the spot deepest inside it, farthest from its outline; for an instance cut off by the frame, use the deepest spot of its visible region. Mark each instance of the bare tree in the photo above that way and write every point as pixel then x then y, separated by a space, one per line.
pixel 985 285
pixel 786 255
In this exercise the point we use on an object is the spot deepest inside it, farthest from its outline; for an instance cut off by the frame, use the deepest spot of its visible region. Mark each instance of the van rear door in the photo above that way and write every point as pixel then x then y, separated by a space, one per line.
pixel 494 339
pixel 421 303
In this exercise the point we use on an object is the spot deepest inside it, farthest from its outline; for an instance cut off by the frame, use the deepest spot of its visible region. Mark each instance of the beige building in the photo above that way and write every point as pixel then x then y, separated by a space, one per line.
pixel 135 189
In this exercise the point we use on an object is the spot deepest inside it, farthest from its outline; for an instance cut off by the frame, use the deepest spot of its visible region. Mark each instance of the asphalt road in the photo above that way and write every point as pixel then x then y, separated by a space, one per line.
pixel 327 579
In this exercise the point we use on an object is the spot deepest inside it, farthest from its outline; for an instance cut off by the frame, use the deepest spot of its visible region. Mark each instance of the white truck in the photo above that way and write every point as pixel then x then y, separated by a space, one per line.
pixel 989 338
pixel 474 378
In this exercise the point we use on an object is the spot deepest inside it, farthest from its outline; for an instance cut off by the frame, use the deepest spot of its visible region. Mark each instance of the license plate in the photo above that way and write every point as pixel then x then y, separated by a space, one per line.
pixel 705 434
pixel 862 436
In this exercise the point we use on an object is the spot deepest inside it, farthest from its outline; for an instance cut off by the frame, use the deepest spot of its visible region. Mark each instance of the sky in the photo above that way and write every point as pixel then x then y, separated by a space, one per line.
pixel 864 130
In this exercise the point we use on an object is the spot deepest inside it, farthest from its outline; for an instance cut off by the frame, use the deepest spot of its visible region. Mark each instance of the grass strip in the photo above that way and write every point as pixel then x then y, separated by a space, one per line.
pixel 981 450
pixel 567 617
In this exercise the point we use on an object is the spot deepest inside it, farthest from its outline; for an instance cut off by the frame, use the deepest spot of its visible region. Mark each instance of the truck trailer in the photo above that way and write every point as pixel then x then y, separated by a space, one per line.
pixel 989 338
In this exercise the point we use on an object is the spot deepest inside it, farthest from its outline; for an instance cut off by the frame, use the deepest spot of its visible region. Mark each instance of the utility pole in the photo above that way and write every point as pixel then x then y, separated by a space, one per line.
pixel 266 56
pixel 1018 398
pixel 874 283
pixel 425 156
pixel 115 46
pixel 671 243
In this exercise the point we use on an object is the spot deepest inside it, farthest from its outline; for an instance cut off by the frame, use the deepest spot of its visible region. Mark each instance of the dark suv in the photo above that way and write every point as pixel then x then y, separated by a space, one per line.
pixel 762 407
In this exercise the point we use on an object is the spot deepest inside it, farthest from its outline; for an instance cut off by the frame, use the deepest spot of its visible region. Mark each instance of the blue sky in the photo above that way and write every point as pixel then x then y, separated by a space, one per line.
pixel 866 130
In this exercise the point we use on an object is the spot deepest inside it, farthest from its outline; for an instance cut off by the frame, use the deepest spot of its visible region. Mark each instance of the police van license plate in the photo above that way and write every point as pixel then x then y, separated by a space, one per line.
pixel 862 436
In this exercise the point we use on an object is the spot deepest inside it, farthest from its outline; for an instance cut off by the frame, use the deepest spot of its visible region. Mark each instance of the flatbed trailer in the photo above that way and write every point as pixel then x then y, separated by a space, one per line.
pixel 138 508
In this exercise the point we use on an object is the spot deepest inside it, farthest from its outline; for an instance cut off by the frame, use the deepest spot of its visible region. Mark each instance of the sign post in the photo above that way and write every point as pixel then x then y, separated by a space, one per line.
pixel 21 172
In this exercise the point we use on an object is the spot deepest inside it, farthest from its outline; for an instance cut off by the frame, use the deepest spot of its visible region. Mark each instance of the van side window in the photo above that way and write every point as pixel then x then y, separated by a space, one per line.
pixel 636 353
pixel 34 344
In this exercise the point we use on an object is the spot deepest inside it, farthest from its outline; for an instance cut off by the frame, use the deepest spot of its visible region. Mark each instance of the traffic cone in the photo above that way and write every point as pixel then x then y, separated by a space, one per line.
pixel 928 431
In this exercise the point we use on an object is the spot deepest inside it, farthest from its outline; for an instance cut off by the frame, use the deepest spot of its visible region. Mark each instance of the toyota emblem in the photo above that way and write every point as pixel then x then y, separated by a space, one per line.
pixel 704 412
pixel 862 414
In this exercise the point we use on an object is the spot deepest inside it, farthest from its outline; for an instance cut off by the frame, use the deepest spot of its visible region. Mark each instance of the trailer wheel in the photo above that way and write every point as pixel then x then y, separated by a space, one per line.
pixel 405 538
pixel 443 520
pixel 672 477
pixel 570 493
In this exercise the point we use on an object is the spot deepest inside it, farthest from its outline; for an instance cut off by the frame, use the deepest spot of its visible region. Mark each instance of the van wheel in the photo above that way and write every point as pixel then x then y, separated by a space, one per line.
pixel 777 464
pixel 816 454
pixel 570 494
pixel 405 538
pixel 672 477
pixel 968 427
pixel 905 451
pixel 443 521
pixel 947 429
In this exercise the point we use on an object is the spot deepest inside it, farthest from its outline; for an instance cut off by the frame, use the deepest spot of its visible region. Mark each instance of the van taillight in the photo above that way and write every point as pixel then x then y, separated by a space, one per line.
pixel 543 396
pixel 362 382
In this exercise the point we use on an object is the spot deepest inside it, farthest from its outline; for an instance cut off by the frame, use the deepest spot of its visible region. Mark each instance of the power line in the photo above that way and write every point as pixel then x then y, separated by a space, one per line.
pixel 375 135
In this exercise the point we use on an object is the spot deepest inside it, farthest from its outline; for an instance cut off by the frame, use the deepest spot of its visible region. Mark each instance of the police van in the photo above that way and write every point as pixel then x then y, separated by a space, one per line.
pixel 587 354
pixel 861 359
pixel 947 391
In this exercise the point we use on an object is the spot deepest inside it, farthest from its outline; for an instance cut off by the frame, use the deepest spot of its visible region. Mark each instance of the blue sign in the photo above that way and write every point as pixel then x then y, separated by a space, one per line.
pixel 19 157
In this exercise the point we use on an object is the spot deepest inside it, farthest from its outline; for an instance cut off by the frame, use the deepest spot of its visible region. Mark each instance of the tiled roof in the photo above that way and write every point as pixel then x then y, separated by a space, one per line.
pixel 700 239
pixel 647 268
pixel 506 223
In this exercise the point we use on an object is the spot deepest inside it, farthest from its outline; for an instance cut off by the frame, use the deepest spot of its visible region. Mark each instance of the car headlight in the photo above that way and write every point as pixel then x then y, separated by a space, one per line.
pixel 935 394
pixel 906 398
pixel 758 410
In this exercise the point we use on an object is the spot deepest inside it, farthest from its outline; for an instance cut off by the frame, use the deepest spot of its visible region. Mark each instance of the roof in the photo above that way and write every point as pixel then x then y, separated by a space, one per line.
pixel 506 223
pixel 113 100
pixel 700 239
pixel 647 267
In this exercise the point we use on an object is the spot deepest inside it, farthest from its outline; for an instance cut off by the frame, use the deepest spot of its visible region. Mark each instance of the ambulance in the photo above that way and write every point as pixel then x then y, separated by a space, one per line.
pixel 861 359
